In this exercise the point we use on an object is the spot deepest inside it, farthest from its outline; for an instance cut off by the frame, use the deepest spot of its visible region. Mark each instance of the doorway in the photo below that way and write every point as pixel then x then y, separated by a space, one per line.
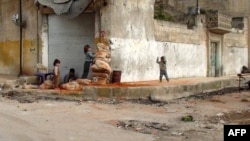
pixel 215 61
pixel 67 38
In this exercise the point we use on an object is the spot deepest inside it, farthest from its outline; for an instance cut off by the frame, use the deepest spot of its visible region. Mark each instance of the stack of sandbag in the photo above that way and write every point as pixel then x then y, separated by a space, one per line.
pixel 101 69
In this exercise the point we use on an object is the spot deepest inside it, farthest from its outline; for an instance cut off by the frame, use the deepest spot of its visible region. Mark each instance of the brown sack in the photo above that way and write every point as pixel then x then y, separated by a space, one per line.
pixel 102 47
pixel 100 74
pixel 103 65
pixel 47 84
pixel 95 68
pixel 100 81
pixel 29 86
pixel 83 81
pixel 72 86
pixel 103 54
pixel 107 60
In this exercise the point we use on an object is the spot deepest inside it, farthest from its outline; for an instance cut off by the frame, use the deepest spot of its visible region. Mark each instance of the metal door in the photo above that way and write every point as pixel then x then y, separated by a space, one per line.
pixel 67 38
pixel 214 60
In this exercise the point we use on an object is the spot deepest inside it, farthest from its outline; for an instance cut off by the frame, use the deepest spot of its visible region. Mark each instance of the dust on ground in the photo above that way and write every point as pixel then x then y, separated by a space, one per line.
pixel 110 119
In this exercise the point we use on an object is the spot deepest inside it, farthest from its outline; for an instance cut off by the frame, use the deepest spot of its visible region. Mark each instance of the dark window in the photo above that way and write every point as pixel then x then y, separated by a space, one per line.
pixel 238 22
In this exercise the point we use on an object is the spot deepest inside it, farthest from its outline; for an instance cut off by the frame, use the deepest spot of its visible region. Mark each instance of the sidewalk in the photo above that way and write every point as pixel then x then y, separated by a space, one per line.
pixel 164 91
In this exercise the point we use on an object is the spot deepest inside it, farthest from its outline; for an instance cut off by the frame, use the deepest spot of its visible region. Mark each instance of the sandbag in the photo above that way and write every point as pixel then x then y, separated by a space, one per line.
pixel 100 81
pixel 47 84
pixel 102 54
pixel 99 64
pixel 100 74
pixel 83 81
pixel 29 86
pixel 72 86
pixel 102 47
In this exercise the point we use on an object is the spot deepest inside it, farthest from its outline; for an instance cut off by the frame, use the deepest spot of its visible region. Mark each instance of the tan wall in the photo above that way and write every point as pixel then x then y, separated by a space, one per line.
pixel 179 33
pixel 234 7
pixel 10 38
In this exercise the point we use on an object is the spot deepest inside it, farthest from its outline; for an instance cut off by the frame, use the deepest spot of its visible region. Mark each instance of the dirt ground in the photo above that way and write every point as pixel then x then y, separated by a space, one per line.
pixel 111 120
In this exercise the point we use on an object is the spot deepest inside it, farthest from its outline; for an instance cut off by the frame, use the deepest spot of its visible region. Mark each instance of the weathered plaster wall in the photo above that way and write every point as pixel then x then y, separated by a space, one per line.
pixel 178 33
pixel 235 53
pixel 132 19
pixel 30 36
pixel 137 39
pixel 137 59
pixel 233 7
pixel 10 38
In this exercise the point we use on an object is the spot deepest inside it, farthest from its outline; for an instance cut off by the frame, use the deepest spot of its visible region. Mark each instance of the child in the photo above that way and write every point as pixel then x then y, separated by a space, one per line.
pixel 70 77
pixel 88 60
pixel 163 68
pixel 56 80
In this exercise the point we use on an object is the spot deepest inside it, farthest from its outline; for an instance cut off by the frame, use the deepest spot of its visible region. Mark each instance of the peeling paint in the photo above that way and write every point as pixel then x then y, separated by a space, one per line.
pixel 9 57
pixel 29 57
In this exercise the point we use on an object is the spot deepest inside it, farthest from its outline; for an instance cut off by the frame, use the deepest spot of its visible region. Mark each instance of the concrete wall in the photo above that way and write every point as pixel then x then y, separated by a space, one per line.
pixel 233 7
pixel 9 38
pixel 235 53
pixel 137 39
pixel 10 52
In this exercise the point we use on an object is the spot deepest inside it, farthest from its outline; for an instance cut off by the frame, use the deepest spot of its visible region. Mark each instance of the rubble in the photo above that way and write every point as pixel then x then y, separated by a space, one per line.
pixel 144 127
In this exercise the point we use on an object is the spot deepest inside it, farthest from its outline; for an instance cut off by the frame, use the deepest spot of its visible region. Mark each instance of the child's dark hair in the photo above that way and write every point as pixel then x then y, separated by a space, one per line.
pixel 56 61
pixel 86 47
pixel 72 70
pixel 163 59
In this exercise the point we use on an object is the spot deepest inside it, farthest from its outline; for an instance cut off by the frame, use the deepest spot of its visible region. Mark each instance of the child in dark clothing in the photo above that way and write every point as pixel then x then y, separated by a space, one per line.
pixel 163 69
pixel 88 60
pixel 71 76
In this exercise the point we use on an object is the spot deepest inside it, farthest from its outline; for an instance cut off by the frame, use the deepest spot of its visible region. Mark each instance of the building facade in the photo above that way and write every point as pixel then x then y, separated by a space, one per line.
pixel 135 37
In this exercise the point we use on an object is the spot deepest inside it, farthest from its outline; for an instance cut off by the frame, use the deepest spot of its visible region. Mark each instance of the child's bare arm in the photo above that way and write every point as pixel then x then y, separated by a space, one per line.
pixel 157 60
pixel 56 71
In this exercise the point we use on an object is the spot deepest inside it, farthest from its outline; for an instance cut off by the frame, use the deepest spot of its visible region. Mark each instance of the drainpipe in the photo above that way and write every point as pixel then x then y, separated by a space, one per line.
pixel 21 39
pixel 197 7
pixel 100 24
pixel 37 34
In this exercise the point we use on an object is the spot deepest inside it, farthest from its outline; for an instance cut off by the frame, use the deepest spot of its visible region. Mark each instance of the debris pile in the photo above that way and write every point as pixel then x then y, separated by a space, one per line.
pixel 144 127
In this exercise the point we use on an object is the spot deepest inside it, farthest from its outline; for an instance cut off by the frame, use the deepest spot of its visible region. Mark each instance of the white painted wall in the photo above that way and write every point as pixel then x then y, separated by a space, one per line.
pixel 233 60
pixel 45 42
pixel 137 39
pixel 137 59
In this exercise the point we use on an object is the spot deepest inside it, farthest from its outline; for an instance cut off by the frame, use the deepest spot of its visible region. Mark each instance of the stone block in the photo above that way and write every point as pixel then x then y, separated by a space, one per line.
pixel 119 92
pixel 134 93
pixel 89 93
pixel 104 92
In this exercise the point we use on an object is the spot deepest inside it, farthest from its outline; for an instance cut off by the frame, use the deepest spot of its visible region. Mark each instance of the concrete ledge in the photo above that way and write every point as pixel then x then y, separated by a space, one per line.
pixel 158 93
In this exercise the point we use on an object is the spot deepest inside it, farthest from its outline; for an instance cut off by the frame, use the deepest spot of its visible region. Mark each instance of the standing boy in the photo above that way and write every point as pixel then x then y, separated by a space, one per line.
pixel 163 69
pixel 56 80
